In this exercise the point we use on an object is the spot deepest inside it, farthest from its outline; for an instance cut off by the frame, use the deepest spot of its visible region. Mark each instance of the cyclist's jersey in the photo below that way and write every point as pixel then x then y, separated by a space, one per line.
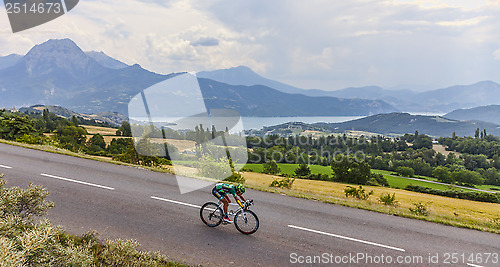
pixel 225 189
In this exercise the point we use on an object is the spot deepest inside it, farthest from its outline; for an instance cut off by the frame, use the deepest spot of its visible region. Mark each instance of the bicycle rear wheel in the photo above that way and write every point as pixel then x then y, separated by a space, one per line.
pixel 246 221
pixel 211 214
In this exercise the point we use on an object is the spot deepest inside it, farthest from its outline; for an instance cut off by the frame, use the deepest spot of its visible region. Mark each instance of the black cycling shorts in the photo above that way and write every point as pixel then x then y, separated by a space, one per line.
pixel 219 194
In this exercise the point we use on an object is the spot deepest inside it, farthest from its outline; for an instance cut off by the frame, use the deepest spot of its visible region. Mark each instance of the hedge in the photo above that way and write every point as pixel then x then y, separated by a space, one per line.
pixel 475 196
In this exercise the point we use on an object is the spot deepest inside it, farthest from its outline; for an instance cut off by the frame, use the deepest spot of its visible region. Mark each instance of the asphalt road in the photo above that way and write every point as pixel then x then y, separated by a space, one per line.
pixel 126 202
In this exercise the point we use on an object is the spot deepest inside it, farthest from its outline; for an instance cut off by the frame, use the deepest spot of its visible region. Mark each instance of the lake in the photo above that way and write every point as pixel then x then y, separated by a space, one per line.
pixel 259 122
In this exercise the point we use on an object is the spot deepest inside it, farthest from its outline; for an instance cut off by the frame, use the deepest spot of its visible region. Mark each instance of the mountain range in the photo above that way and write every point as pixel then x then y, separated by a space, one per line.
pixel 442 100
pixel 484 113
pixel 99 57
pixel 262 101
pixel 58 72
pixel 401 123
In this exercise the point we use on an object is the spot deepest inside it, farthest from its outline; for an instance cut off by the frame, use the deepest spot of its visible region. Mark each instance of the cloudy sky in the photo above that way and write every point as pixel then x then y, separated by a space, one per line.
pixel 324 44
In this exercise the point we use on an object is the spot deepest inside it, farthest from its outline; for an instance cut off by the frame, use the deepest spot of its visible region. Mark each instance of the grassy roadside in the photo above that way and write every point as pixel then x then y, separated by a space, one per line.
pixel 450 211
pixel 56 150
pixel 29 242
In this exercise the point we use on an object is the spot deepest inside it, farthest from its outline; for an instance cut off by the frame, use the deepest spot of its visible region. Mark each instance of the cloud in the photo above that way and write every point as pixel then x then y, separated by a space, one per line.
pixel 172 48
pixel 206 41
pixel 319 43
pixel 339 44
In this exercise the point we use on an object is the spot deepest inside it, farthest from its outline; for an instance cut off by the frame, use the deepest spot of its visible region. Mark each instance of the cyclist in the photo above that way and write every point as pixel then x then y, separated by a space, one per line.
pixel 221 191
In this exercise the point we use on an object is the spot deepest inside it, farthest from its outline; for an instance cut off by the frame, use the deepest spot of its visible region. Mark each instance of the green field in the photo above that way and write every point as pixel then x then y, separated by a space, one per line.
pixel 494 188
pixel 290 168
pixel 394 181
pixel 416 176
pixel 400 182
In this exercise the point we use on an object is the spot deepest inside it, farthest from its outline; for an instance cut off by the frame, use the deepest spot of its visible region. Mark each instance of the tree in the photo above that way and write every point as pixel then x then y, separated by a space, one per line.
pixel 443 174
pixel 467 177
pixel 440 159
pixel 405 171
pixel 71 137
pixel 125 129
pixel 214 132
pixel 74 121
pixel 492 176
pixel 13 127
pixel 119 146
pixel 422 141
pixel 270 167
pixel 148 156
pixel 96 144
pixel 496 162
pixel 452 159
pixel 347 169
pixel 51 126
pixel 235 176
pixel 216 168
pixel 474 162
pixel 302 170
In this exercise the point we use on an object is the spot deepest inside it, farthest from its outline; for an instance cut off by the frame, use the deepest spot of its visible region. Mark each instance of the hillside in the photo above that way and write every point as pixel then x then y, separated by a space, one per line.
pixel 263 101
pixel 401 123
pixel 9 61
pixel 434 100
pixel 460 96
pixel 105 60
pixel 484 113
pixel 113 118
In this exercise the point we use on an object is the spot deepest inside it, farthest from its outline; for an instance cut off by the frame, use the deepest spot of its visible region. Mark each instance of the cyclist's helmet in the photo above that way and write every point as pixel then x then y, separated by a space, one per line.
pixel 240 188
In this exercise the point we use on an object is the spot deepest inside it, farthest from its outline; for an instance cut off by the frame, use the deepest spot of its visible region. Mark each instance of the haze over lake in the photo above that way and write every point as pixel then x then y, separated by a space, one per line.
pixel 259 122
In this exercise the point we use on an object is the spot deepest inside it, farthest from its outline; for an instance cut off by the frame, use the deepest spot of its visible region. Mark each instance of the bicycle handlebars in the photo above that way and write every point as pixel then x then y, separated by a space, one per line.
pixel 248 203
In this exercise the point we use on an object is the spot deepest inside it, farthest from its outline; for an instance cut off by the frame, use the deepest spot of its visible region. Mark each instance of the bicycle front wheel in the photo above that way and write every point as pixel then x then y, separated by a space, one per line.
pixel 211 214
pixel 246 221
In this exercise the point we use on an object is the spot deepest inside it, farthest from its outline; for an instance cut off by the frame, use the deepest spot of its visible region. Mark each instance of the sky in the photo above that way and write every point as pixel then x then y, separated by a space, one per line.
pixel 320 44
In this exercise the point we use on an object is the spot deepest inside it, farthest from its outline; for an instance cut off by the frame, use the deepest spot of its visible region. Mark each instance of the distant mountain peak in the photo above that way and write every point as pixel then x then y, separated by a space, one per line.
pixel 487 83
pixel 232 73
pixel 55 46
pixel 242 68
pixel 58 55
pixel 243 75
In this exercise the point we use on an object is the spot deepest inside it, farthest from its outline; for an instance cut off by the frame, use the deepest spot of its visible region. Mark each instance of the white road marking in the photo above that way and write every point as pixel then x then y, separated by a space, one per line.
pixel 474 265
pixel 78 182
pixel 346 238
pixel 5 167
pixel 176 202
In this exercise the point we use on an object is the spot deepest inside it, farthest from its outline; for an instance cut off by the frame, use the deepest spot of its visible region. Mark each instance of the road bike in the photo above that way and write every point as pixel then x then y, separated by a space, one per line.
pixel 245 220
